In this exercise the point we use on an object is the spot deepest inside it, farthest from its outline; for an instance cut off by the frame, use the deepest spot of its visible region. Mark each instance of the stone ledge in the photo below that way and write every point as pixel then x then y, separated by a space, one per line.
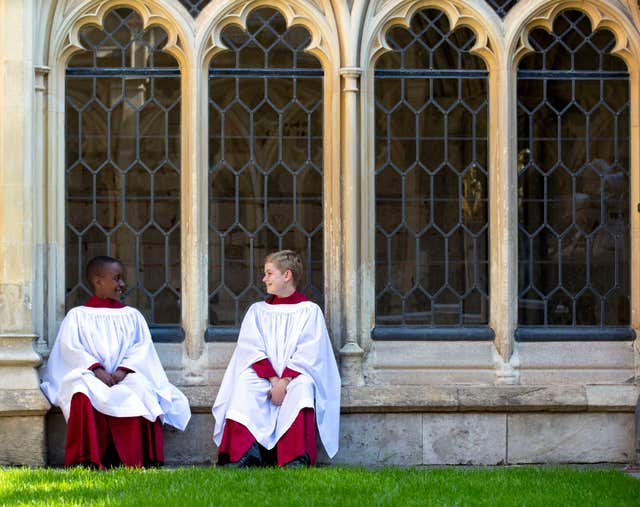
pixel 560 398
pixel 451 398
pixel 23 402
pixel 445 398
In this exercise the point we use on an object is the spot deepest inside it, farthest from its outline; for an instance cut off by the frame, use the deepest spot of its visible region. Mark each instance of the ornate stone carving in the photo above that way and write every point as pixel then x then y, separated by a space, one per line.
pixel 458 13
pixel 598 15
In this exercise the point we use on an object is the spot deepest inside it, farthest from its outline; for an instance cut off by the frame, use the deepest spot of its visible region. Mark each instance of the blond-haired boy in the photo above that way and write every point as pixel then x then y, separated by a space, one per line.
pixel 282 378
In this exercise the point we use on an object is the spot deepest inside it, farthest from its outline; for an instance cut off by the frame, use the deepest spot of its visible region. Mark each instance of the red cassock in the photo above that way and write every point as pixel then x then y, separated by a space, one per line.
pixel 100 440
pixel 299 439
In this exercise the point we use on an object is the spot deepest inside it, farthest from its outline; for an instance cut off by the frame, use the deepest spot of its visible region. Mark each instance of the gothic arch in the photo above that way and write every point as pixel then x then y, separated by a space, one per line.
pixel 324 43
pixel 478 16
pixel 525 18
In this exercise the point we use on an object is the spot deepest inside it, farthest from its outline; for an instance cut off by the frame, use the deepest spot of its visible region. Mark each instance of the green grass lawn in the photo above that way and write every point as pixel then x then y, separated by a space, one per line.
pixel 322 486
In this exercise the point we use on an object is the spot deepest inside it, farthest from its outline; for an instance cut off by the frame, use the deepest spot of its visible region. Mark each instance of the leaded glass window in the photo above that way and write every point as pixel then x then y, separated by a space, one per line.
pixel 195 6
pixel 573 178
pixel 123 163
pixel 265 166
pixel 431 178
pixel 502 7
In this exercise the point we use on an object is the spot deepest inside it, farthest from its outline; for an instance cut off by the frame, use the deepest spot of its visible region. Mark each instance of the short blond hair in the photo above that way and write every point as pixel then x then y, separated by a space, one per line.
pixel 287 260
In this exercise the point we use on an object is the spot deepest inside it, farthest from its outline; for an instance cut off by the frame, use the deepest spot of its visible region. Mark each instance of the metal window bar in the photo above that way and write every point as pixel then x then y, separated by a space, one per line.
pixel 194 6
pixel 502 7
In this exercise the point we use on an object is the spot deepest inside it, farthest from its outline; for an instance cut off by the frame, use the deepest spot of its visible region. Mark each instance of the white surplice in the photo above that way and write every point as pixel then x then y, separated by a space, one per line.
pixel 289 335
pixel 113 337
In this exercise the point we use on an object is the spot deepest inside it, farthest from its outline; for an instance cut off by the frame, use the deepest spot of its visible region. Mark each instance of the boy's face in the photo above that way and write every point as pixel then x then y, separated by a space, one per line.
pixel 110 282
pixel 278 283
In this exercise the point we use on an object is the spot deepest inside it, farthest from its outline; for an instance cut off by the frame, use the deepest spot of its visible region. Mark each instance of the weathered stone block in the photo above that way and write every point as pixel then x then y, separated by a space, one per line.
pixel 56 436
pixel 194 446
pixel 571 438
pixel 380 439
pixel 464 439
pixel 23 440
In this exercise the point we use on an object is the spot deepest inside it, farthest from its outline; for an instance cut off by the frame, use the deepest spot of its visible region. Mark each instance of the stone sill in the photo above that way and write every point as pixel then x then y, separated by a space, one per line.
pixel 446 398
pixel 457 398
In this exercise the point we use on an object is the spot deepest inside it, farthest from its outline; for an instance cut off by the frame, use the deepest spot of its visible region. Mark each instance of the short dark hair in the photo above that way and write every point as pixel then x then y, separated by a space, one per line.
pixel 95 265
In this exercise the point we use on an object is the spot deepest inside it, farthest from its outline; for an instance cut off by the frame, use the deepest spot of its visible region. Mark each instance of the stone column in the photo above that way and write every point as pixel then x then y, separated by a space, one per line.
pixel 503 217
pixel 22 405
pixel 194 216
pixel 39 143
pixel 351 353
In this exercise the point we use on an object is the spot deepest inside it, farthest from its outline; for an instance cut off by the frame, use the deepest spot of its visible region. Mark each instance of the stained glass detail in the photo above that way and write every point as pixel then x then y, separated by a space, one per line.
pixel 123 163
pixel 266 167
pixel 573 178
pixel 431 178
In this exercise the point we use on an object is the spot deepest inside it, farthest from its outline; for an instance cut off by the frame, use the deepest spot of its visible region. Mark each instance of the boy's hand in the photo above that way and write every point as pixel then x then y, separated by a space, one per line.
pixel 104 376
pixel 279 390
pixel 118 376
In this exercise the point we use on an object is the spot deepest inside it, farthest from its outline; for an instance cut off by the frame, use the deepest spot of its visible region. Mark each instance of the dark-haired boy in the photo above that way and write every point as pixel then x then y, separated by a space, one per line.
pixel 104 374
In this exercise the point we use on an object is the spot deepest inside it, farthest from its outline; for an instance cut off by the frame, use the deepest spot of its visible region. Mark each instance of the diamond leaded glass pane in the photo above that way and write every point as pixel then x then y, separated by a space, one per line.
pixel 502 7
pixel 195 6
pixel 123 163
pixel 431 177
pixel 573 178
pixel 265 167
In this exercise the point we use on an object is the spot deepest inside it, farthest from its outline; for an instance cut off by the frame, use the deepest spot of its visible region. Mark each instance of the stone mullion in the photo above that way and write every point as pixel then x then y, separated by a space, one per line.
pixel 194 208
pixel 503 214
pixel 39 190
pixel 351 353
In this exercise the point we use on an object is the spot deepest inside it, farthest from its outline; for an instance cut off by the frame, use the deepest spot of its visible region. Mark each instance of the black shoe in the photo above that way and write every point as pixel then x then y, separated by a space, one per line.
pixel 301 461
pixel 251 458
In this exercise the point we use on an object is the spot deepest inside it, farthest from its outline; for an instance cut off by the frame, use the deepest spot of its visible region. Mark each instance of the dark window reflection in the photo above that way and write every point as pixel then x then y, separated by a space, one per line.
pixel 265 165
pixel 573 178
pixel 431 177
pixel 123 163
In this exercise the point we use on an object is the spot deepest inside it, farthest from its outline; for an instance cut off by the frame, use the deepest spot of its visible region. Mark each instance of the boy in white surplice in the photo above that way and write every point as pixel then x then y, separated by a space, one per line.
pixel 104 374
pixel 282 378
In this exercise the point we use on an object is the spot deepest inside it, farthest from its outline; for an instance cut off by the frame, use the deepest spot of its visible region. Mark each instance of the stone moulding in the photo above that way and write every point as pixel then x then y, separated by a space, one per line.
pixel 466 398
pixel 599 15
pixel 444 398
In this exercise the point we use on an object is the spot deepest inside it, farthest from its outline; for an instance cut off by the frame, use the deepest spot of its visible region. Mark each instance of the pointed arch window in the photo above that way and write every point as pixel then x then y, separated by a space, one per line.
pixel 265 163
pixel 573 185
pixel 431 180
pixel 123 165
